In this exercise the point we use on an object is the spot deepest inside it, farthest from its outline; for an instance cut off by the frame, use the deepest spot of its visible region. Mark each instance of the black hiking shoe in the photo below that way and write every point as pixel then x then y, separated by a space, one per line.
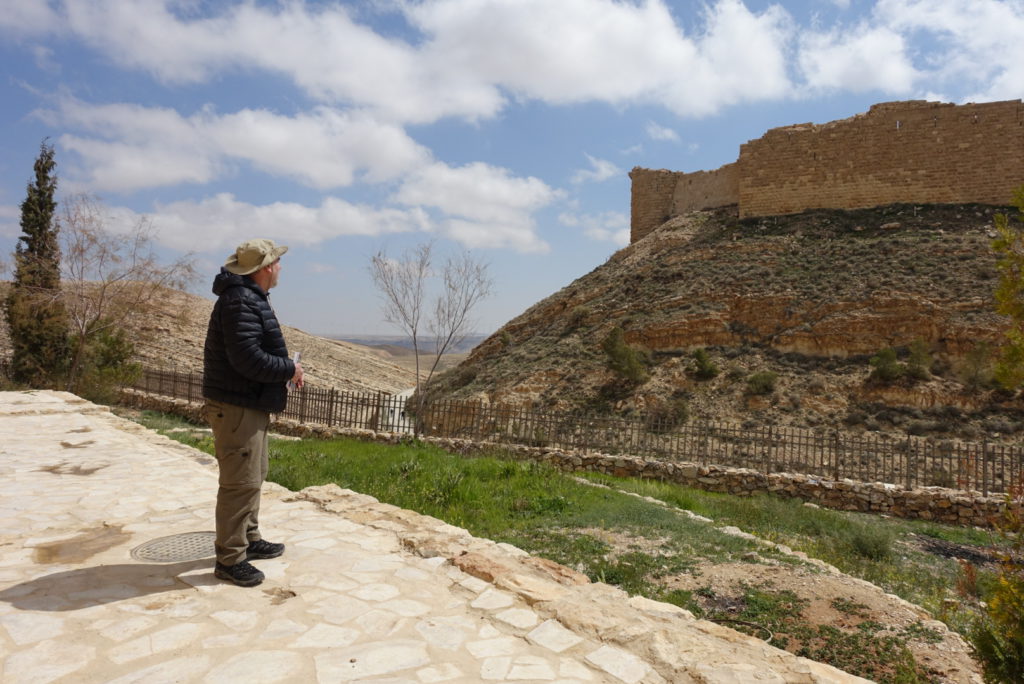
pixel 263 549
pixel 241 573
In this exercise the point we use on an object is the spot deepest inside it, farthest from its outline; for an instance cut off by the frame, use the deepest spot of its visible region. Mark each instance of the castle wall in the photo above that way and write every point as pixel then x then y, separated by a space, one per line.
pixel 706 189
pixel 915 151
pixel 651 199
pixel 896 152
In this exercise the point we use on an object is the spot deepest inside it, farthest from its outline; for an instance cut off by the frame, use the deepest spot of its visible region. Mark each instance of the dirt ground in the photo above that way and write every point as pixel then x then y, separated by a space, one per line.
pixel 949 660
pixel 946 658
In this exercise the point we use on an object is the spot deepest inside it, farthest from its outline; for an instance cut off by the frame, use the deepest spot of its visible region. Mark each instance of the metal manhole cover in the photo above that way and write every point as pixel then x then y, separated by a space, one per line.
pixel 177 547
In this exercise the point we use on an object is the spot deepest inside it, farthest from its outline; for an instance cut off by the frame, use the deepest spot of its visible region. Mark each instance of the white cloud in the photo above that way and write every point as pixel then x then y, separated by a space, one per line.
pixel 975 44
pixel 105 165
pixel 741 57
pixel 610 226
pixel 125 147
pixel 221 222
pixel 600 170
pixel 323 149
pixel 487 205
pixel 43 57
pixel 617 52
pixel 495 235
pixel 470 54
pixel 566 51
pixel 319 47
pixel 869 58
pixel 28 19
pixel 659 132
pixel 466 58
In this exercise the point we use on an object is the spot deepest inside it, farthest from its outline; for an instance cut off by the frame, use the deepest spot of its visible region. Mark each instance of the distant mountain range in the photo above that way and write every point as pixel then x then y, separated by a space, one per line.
pixel 389 342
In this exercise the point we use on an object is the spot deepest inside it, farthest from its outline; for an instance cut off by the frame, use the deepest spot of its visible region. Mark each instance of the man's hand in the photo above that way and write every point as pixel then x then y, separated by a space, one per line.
pixel 297 378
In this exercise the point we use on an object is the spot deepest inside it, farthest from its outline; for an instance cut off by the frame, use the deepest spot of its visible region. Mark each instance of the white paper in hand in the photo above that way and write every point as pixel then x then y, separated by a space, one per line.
pixel 295 358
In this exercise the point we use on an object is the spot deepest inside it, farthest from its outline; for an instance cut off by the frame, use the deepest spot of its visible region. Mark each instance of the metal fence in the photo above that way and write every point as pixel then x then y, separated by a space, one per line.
pixel 908 461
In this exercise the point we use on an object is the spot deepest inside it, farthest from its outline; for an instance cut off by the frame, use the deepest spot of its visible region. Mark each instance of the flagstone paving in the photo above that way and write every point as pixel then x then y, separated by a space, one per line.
pixel 364 592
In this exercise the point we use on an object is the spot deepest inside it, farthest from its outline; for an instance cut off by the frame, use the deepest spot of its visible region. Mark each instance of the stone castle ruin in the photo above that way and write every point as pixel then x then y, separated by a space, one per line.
pixel 896 152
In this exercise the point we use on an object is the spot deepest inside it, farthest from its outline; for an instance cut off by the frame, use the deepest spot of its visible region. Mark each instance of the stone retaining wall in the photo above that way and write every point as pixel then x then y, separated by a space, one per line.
pixel 949 506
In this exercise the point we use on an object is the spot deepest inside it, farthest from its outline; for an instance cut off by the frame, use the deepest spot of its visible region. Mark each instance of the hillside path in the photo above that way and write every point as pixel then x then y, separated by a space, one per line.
pixel 106 576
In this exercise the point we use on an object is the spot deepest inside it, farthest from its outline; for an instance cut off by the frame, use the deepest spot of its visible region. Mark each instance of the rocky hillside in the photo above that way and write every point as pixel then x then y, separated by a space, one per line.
pixel 174 338
pixel 809 298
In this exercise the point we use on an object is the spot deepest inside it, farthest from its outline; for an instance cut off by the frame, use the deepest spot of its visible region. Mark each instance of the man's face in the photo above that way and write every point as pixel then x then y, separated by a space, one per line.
pixel 275 270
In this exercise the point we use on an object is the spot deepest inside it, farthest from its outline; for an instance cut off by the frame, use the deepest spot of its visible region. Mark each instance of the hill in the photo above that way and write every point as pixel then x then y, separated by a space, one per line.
pixel 179 331
pixel 398 349
pixel 174 337
pixel 809 297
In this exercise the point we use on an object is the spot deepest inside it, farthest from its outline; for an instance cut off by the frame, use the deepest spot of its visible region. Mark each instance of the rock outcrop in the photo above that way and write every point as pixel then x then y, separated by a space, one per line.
pixel 810 297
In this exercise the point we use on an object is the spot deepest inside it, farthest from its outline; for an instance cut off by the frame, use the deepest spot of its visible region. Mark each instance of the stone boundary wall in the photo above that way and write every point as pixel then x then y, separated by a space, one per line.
pixel 938 504
pixel 897 152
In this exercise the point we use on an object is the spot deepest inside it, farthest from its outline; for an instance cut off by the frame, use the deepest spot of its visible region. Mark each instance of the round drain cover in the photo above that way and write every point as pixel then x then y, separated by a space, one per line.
pixel 177 547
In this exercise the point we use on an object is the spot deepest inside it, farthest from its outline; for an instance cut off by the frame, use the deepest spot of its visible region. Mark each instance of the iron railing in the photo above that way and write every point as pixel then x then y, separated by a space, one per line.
pixel 827 453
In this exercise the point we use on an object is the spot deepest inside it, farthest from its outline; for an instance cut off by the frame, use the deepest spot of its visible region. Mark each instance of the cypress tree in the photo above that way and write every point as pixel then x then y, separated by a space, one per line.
pixel 36 316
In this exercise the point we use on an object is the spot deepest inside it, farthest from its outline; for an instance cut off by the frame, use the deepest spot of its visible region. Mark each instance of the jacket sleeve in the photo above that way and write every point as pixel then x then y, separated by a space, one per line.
pixel 242 324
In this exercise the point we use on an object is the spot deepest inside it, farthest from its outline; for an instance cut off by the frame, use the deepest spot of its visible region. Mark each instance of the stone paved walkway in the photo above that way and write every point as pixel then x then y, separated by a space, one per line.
pixel 365 591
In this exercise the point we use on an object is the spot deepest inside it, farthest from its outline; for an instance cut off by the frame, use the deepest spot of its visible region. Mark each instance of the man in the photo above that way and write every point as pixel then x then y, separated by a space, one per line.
pixel 245 374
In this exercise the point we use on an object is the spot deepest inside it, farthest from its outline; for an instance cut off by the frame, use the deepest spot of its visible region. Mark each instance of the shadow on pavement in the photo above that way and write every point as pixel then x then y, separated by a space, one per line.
pixel 101 584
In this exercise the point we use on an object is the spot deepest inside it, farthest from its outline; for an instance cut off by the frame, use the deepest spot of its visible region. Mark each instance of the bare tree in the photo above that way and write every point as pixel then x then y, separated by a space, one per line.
pixel 403 285
pixel 110 279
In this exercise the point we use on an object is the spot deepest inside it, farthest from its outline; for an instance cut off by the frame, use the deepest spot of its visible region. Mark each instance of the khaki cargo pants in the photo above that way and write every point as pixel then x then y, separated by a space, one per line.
pixel 240 441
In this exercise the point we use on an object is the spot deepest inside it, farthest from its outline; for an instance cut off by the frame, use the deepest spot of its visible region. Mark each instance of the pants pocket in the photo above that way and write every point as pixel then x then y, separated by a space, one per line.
pixel 237 438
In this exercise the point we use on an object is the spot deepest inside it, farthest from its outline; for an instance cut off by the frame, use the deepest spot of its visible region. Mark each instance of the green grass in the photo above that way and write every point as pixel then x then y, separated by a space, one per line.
pixel 878 549
pixel 869 649
pixel 633 543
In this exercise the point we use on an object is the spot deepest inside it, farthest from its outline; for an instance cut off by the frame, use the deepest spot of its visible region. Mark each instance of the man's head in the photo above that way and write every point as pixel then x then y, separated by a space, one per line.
pixel 260 259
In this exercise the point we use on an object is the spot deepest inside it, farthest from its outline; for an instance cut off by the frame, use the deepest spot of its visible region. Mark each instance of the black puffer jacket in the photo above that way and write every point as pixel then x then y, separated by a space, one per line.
pixel 245 360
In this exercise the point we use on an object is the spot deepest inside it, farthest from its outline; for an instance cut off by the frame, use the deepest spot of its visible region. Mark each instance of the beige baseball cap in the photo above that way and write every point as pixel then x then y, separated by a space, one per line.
pixel 252 255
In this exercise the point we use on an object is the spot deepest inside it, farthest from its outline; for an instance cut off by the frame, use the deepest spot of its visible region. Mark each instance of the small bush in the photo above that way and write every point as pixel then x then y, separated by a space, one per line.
pixel 1000 424
pixel 997 638
pixel 668 415
pixel 885 366
pixel 920 362
pixel 871 542
pixel 761 382
pixel 922 427
pixel 855 417
pixel 578 317
pixel 455 378
pixel 735 372
pixel 976 369
pixel 107 367
pixel 703 367
pixel 623 359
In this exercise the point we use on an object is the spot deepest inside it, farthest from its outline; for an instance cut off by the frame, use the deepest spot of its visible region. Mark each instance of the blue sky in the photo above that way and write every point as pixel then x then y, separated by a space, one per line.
pixel 504 127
